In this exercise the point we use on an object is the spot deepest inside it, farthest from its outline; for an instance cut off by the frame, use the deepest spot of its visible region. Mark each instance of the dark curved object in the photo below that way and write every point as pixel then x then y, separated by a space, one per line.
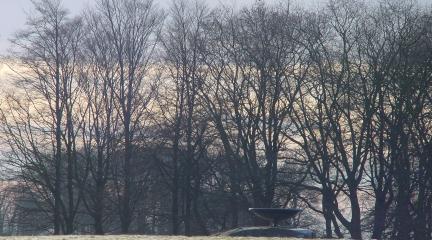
pixel 275 215
pixel 269 232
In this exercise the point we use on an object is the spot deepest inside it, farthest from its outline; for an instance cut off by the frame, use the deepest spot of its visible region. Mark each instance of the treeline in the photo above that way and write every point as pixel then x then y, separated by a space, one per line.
pixel 129 119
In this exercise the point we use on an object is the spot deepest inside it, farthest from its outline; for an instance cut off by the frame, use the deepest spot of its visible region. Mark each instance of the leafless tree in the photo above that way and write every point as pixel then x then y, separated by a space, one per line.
pixel 183 39
pixel 132 27
pixel 101 120
pixel 267 106
pixel 255 70
pixel 41 119
pixel 334 113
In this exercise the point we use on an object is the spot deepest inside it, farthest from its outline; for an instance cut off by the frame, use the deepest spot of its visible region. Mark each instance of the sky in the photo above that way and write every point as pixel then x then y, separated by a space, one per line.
pixel 13 13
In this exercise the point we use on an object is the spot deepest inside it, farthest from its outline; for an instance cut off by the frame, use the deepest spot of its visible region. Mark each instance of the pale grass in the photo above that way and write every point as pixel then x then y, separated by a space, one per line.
pixel 134 237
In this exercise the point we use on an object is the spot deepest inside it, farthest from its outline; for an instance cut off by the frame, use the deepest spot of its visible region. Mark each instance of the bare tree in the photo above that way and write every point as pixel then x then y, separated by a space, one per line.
pixel 334 113
pixel 182 43
pixel 101 120
pixel 408 86
pixel 132 27
pixel 47 51
pixel 268 106
pixel 255 69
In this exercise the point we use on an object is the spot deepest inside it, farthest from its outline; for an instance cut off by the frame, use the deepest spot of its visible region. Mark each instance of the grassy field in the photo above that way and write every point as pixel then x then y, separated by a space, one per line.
pixel 129 237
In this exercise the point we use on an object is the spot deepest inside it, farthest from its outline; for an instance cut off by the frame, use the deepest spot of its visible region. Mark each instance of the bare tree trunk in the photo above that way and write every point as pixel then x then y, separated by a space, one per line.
pixel 399 148
pixel 176 179
pixel 126 215
pixel 328 215
pixel 58 135
pixel 355 230
pixel 380 212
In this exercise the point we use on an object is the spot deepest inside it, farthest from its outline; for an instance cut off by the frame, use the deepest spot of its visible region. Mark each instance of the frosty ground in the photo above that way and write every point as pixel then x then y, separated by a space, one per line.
pixel 131 237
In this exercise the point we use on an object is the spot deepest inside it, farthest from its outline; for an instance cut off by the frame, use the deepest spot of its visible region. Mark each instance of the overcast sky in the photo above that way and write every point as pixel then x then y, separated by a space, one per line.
pixel 13 12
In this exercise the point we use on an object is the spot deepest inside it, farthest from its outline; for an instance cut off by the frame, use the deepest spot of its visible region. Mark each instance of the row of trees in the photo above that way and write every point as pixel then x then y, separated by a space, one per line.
pixel 127 119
